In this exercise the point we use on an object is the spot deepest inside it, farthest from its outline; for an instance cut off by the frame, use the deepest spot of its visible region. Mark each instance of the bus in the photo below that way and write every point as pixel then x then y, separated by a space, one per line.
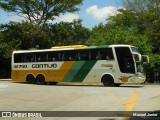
pixel 111 65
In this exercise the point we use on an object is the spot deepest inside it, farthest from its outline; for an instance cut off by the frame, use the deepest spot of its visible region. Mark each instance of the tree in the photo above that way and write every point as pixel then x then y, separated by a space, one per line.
pixel 112 34
pixel 139 6
pixel 139 25
pixel 14 36
pixel 65 33
pixel 40 11
pixel 147 13
pixel 7 42
pixel 25 35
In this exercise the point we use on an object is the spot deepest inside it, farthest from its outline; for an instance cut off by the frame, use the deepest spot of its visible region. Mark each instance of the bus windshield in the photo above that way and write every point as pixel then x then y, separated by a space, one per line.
pixel 135 50
pixel 125 60
pixel 139 65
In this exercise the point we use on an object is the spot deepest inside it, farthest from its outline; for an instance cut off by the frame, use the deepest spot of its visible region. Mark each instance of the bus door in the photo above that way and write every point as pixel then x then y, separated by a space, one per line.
pixel 125 63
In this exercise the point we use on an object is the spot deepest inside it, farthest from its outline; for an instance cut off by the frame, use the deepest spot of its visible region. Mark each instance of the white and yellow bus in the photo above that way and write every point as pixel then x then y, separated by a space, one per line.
pixel 110 64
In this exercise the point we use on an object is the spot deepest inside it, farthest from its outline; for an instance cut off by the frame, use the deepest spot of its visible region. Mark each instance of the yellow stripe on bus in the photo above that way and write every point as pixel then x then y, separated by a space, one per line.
pixel 60 74
pixel 71 46
pixel 50 75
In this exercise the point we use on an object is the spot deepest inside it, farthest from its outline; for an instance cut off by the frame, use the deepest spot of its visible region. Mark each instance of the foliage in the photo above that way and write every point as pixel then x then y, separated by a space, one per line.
pixel 14 36
pixel 40 11
pixel 111 34
pixel 22 36
pixel 147 20
pixel 145 15
pixel 138 24
pixel 141 6
pixel 66 33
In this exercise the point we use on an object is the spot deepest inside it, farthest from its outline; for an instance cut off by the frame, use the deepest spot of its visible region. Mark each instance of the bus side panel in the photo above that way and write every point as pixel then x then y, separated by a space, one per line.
pixel 79 71
pixel 84 70
pixel 18 75
pixel 59 75
pixel 101 68
pixel 72 73
pixel 56 75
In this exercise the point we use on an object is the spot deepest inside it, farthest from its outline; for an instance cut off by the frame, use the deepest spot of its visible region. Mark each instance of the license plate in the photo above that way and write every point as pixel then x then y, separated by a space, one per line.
pixel 124 79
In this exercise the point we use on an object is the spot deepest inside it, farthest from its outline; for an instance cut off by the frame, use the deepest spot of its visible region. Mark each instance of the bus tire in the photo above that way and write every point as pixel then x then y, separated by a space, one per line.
pixel 117 84
pixel 40 79
pixel 30 79
pixel 108 81
pixel 53 83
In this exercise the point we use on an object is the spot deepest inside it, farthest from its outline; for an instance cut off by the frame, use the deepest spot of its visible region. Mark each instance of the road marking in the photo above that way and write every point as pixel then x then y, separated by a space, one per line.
pixel 129 103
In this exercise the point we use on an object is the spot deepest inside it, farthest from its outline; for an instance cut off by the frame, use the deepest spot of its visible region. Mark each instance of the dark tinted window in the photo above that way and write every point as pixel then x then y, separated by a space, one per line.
pixel 40 57
pixel 18 58
pixel 125 60
pixel 106 54
pixel 84 55
pixel 53 56
pixel 68 55
pixel 28 57
pixel 94 55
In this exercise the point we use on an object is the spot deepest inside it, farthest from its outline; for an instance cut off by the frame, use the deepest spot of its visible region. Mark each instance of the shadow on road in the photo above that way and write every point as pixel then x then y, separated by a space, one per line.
pixel 85 85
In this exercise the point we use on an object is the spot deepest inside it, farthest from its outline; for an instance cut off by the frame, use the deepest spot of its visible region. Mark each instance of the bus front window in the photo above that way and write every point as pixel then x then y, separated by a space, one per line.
pixel 140 67
pixel 135 50
pixel 140 60
pixel 125 60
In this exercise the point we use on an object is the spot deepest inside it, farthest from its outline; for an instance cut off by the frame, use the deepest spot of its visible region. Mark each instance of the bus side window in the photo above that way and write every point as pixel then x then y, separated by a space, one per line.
pixel 41 57
pixel 53 56
pixel 32 59
pixel 69 56
pixel 84 55
pixel 94 55
pixel 18 57
pixel 106 54
pixel 28 57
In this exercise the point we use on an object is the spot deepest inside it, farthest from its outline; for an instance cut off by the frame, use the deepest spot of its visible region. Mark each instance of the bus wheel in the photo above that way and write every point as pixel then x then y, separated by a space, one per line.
pixel 40 80
pixel 107 80
pixel 117 84
pixel 30 79
pixel 53 83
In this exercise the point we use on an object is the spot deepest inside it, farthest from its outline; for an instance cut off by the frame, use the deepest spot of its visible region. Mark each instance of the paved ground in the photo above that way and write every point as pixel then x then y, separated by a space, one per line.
pixel 66 97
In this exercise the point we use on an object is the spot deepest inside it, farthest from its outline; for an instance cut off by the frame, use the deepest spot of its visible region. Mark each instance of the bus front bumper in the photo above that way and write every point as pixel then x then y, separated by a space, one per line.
pixel 140 78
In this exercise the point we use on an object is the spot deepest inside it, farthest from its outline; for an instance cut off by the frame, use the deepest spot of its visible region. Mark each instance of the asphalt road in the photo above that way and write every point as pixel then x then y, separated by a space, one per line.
pixel 80 97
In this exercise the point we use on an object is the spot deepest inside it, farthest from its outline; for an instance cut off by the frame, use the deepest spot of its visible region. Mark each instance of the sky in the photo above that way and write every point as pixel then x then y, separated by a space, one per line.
pixel 92 12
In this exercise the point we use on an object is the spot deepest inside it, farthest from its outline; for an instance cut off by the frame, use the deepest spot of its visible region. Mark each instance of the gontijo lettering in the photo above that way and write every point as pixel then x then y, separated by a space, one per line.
pixel 44 65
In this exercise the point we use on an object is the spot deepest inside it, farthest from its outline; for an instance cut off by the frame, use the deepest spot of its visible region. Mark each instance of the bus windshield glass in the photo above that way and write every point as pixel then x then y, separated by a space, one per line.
pixel 135 50
pixel 139 65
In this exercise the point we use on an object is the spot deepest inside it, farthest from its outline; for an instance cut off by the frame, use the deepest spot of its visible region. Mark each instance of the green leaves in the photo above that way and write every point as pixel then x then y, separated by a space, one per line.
pixel 138 24
pixel 110 34
pixel 40 11
pixel 66 33
pixel 14 36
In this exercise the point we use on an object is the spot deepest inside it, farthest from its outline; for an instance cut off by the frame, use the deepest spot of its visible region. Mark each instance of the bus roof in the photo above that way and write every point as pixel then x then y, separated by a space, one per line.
pixel 71 47
pixel 88 47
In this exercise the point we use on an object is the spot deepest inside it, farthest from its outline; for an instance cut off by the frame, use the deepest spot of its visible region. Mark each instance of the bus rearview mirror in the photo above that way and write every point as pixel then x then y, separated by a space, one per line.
pixel 145 59
pixel 137 57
